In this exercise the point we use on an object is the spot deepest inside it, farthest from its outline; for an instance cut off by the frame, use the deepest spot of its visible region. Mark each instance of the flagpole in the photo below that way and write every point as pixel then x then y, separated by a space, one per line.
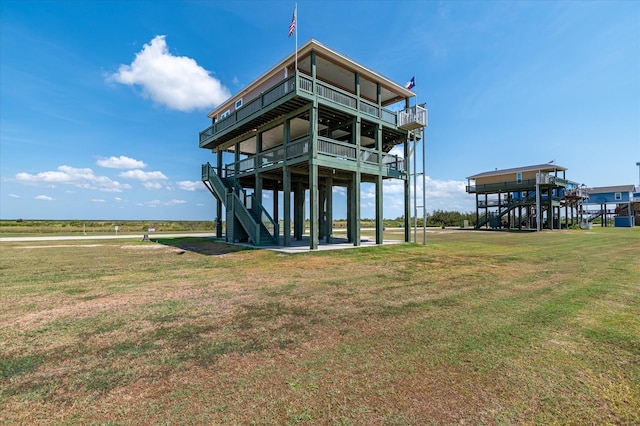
pixel 295 12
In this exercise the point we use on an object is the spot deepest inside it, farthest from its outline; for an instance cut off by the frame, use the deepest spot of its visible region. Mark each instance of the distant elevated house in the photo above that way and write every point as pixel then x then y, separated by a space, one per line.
pixel 619 202
pixel 314 121
pixel 524 198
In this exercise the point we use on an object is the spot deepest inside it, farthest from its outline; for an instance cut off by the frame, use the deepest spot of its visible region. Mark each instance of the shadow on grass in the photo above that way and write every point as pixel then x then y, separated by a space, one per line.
pixel 201 245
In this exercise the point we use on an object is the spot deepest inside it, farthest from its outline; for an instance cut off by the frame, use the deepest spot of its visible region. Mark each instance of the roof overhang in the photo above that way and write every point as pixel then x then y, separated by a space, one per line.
pixel 542 168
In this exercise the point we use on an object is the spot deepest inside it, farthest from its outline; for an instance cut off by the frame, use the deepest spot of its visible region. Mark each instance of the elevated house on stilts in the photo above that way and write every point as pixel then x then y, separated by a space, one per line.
pixel 526 198
pixel 312 122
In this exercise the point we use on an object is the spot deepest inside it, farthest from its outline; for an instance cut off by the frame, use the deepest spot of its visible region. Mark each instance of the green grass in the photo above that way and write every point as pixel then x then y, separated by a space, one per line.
pixel 474 327
pixel 20 227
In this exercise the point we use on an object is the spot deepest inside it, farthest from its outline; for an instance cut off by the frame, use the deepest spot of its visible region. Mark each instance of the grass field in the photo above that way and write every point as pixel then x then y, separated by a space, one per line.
pixel 474 328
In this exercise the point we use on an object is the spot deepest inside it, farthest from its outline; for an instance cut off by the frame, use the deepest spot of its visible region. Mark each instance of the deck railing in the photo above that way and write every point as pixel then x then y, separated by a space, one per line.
pixel 336 149
pixel 336 95
pixel 302 83
pixel 413 118
pixel 267 97
pixel 300 147
pixel 393 162
pixel 503 186
pixel 522 185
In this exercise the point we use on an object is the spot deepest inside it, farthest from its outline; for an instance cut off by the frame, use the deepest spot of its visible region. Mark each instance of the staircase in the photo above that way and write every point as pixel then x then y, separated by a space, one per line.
pixel 246 217
pixel 594 215
pixel 494 218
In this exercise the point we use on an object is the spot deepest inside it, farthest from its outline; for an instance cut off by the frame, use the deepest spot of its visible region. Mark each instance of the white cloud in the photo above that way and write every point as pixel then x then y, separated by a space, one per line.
pixel 448 195
pixel 177 82
pixel 369 193
pixel 44 198
pixel 121 162
pixel 189 185
pixel 174 202
pixel 80 178
pixel 152 185
pixel 97 200
pixel 149 180
pixel 14 196
pixel 143 176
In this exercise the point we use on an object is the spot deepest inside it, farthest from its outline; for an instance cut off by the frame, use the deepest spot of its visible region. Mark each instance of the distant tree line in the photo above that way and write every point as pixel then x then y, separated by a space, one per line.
pixel 437 218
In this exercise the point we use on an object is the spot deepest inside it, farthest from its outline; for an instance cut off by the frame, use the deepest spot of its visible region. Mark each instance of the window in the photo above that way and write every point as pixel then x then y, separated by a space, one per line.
pixel 618 196
pixel 519 177
pixel 239 103
pixel 225 114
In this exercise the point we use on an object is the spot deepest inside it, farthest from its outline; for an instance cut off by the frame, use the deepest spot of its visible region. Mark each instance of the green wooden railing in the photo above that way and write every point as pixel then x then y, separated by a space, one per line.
pixel 326 146
pixel 303 84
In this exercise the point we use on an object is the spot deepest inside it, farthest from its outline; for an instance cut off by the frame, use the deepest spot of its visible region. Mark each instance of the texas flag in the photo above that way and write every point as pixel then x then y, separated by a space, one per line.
pixel 411 83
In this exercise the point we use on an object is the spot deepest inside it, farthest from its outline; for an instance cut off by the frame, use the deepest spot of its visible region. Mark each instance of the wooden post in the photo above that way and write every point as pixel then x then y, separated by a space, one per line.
pixel 379 184
pixel 286 193
pixel 349 216
pixel 329 215
pixel 219 201
pixel 322 201
pixel 407 185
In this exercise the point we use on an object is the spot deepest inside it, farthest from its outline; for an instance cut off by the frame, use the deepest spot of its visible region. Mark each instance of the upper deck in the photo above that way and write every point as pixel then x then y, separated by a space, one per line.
pixel 341 88
pixel 299 90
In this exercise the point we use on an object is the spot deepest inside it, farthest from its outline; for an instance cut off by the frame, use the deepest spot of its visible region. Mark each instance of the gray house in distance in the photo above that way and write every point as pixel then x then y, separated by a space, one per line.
pixel 617 202
pixel 312 122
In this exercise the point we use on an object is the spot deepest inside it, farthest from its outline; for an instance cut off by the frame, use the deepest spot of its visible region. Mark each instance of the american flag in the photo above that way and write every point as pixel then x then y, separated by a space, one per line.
pixel 292 25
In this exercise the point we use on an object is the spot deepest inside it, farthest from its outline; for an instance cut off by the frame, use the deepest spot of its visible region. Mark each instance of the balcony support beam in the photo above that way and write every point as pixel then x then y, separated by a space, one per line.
pixel 356 181
pixel 314 204
pixel 219 201
pixel 286 204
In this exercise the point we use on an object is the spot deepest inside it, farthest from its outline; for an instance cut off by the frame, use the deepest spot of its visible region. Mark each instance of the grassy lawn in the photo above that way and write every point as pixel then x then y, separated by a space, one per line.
pixel 474 328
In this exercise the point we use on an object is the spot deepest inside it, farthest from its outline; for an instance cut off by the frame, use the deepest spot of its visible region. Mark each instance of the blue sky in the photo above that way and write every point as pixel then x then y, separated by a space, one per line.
pixel 101 102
